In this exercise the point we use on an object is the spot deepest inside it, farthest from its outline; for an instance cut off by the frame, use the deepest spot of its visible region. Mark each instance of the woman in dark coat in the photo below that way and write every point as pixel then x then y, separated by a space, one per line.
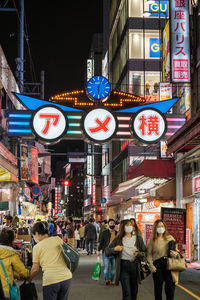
pixel 129 249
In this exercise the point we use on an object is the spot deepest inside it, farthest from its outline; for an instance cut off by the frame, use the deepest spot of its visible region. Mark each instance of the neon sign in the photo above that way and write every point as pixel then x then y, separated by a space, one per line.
pixel 50 122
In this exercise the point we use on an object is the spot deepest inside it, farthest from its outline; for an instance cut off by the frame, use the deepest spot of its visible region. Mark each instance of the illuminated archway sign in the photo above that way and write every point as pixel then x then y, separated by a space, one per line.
pixel 99 125
pixel 49 122
pixel 149 125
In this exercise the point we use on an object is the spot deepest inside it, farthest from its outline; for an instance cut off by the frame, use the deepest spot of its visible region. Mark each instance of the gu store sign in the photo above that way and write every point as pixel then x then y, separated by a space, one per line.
pixel 180 41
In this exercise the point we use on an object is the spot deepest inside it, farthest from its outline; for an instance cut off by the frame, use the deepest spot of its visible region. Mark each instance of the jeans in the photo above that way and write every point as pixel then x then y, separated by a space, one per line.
pixel 89 245
pixel 57 291
pixel 160 276
pixel 109 267
pixel 128 278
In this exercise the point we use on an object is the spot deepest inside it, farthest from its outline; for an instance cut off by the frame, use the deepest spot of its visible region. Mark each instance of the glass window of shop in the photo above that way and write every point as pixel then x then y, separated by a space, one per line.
pixel 119 27
pixel 120 62
pixel 138 7
pixel 143 83
pixel 148 40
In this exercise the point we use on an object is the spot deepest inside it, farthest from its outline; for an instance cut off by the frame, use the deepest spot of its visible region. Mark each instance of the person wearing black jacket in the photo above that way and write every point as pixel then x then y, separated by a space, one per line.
pixel 90 236
pixel 129 250
pixel 105 239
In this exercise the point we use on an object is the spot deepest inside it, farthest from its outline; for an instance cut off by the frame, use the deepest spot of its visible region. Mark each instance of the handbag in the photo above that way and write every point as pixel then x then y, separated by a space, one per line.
pixel 71 257
pixel 144 269
pixel 176 264
pixel 13 289
pixel 28 291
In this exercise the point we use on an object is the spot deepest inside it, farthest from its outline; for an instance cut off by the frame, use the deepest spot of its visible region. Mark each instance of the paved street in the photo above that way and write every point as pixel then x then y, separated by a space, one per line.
pixel 84 288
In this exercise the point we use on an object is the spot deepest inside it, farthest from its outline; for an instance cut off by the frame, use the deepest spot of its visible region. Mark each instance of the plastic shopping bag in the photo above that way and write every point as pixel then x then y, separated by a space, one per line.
pixel 97 270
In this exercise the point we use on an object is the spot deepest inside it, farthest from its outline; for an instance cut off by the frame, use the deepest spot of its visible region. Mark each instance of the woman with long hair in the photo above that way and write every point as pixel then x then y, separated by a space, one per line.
pixel 129 249
pixel 157 253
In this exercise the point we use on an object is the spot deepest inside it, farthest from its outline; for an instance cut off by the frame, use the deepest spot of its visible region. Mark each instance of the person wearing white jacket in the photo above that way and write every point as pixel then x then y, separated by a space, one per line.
pixel 77 237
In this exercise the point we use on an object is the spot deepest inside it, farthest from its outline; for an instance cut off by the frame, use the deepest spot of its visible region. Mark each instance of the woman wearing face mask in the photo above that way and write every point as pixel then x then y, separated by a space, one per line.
pixel 48 254
pixel 129 248
pixel 157 252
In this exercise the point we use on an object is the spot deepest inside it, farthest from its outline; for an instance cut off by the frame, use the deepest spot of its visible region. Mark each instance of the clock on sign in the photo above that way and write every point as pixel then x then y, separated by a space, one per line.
pixel 98 88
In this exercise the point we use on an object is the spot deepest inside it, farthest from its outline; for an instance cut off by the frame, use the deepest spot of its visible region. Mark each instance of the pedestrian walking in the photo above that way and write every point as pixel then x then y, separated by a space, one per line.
pixel 51 228
pixel 129 249
pixel 81 234
pixel 107 238
pixel 70 232
pixel 10 260
pixel 90 236
pixel 48 254
pixel 157 253
pixel 77 237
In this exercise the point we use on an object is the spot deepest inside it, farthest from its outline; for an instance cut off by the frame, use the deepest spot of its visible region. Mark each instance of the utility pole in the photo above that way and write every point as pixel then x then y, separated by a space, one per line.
pixel 21 48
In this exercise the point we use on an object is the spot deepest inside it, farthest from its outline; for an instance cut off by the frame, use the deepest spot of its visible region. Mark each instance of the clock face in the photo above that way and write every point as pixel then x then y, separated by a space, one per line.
pixel 98 87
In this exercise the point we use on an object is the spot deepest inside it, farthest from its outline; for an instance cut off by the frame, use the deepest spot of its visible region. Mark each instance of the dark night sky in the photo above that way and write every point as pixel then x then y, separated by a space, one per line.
pixel 60 34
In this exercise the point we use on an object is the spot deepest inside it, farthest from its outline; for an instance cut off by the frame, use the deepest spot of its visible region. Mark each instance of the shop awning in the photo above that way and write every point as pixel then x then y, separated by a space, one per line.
pixel 187 137
pixel 158 168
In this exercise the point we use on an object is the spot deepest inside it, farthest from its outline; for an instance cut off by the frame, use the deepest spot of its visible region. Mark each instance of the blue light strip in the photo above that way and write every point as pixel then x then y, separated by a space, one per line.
pixel 19 123
pixel 19 116
pixel 74 124
pixel 19 130
pixel 73 132
pixel 74 117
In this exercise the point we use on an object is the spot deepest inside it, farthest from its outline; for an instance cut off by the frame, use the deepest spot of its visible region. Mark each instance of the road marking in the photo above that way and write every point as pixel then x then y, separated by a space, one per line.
pixel 189 292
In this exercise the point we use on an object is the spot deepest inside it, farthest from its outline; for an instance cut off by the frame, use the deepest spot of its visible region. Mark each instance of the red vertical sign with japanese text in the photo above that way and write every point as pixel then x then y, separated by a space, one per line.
pixel 94 194
pixel 180 41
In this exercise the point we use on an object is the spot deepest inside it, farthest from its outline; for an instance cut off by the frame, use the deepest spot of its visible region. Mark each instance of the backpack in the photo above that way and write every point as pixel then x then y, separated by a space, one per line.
pixel 71 257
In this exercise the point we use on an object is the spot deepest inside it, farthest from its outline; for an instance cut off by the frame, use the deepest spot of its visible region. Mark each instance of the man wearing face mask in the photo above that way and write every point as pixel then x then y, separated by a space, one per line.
pixel 105 239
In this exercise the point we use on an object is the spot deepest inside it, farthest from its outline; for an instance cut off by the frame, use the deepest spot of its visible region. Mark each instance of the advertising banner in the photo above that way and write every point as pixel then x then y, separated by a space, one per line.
pixel 154 47
pixel 180 41
pixel 196 184
pixel 29 163
pixel 165 91
pixel 166 53
pixel 24 162
pixel 94 194
pixel 89 185
pixel 175 219
pixel 188 245
pixel 33 164
pixel 147 232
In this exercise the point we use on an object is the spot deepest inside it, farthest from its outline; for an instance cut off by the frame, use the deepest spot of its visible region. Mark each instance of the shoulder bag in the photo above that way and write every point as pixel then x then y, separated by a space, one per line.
pixel 13 289
pixel 176 264
pixel 71 257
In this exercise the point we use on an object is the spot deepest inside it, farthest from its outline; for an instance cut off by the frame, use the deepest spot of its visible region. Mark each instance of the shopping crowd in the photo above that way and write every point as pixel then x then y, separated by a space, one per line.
pixel 126 259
